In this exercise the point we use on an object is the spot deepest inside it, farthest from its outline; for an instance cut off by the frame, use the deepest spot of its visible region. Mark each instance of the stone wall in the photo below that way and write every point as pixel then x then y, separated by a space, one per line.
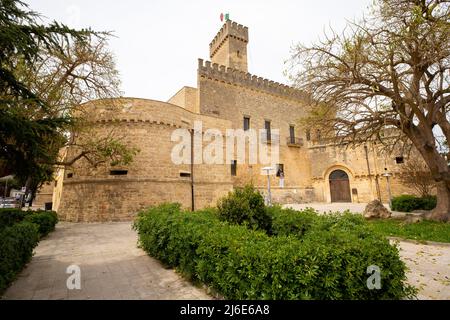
pixel 365 173
pixel 187 98
pixel 229 46
pixel 93 194
pixel 231 94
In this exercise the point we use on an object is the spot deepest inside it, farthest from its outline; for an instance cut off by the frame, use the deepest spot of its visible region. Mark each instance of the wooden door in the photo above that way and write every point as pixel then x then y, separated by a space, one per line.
pixel 340 187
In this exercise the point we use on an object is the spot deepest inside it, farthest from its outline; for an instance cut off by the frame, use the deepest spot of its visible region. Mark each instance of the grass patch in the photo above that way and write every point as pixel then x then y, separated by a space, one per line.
pixel 421 231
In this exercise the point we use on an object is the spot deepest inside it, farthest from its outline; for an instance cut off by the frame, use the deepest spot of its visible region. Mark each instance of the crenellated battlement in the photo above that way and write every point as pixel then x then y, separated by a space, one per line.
pixel 233 76
pixel 229 29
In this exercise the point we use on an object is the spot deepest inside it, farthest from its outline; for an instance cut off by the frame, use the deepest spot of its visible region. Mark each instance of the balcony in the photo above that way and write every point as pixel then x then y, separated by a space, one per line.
pixel 294 142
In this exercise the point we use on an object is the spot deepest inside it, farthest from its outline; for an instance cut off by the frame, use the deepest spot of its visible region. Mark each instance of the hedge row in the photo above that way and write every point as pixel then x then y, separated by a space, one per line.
pixel 408 203
pixel 20 232
pixel 46 220
pixel 16 249
pixel 325 258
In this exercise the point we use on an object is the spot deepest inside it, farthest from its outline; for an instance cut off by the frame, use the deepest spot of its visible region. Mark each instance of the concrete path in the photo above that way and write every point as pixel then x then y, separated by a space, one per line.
pixel 429 269
pixel 111 265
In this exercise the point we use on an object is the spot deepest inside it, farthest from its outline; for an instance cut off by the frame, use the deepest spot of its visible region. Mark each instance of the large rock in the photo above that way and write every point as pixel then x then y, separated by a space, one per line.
pixel 375 209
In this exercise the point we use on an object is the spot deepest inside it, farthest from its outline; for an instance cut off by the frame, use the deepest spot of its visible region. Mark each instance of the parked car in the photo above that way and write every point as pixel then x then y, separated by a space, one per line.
pixel 10 202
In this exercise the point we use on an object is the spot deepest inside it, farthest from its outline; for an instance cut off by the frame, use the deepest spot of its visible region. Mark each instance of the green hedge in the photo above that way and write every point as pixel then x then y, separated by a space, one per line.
pixel 8 217
pixel 408 203
pixel 16 249
pixel 245 206
pixel 20 232
pixel 328 260
pixel 290 222
pixel 46 220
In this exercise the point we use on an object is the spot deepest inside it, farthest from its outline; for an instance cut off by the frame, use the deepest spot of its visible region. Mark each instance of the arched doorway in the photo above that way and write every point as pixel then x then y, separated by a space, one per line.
pixel 340 186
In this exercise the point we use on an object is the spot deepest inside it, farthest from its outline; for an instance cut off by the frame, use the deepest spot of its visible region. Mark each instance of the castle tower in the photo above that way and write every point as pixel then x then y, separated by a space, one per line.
pixel 229 46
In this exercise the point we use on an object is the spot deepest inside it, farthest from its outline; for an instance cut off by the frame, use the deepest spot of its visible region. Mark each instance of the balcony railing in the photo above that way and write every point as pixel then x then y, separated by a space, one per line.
pixel 294 142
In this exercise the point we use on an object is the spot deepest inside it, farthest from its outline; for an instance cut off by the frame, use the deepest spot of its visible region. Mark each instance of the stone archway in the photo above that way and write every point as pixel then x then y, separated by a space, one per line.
pixel 339 186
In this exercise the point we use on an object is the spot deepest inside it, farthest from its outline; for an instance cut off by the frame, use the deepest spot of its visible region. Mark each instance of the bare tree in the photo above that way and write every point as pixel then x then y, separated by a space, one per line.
pixel 416 175
pixel 66 80
pixel 389 71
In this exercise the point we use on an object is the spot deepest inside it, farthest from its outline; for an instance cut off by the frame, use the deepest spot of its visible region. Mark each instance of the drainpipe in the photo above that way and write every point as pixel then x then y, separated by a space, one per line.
pixel 368 168
pixel 192 171
pixel 377 182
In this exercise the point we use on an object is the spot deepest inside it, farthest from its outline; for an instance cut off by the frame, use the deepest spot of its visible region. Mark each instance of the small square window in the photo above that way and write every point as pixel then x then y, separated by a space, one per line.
pixel 280 170
pixel 118 172
pixel 70 175
pixel 246 123
pixel 399 160
pixel 233 168
pixel 268 130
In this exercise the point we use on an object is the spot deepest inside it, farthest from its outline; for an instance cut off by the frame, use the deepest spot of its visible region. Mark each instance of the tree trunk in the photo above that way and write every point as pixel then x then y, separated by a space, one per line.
pixel 439 169
pixel 442 210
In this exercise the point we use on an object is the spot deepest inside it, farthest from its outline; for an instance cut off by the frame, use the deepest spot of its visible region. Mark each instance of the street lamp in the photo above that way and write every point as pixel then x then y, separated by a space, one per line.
pixel 388 175
pixel 268 172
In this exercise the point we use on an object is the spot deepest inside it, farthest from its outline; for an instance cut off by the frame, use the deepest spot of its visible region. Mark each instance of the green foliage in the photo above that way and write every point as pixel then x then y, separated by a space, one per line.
pixel 20 232
pixel 245 207
pixel 290 222
pixel 8 217
pixel 16 249
pixel 29 129
pixel 45 220
pixel 421 231
pixel 46 71
pixel 325 258
pixel 408 203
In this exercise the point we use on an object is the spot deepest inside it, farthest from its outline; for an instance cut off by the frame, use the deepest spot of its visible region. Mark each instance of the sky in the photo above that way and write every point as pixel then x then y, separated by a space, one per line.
pixel 157 42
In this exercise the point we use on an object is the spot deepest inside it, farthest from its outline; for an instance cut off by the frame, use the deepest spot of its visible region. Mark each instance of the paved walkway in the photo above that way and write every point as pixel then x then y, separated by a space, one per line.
pixel 429 269
pixel 111 265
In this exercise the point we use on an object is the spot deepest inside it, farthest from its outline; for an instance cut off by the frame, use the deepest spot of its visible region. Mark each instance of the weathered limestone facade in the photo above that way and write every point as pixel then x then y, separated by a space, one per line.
pixel 226 94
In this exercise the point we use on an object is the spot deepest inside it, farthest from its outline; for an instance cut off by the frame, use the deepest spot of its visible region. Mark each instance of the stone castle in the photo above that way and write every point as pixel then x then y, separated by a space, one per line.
pixel 226 96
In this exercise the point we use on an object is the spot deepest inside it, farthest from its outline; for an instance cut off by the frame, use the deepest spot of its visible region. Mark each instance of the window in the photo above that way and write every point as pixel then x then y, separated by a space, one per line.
pixel 70 175
pixel 238 53
pixel 268 131
pixel 399 160
pixel 233 168
pixel 118 172
pixel 185 174
pixel 318 134
pixel 308 135
pixel 280 169
pixel 292 134
pixel 246 123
